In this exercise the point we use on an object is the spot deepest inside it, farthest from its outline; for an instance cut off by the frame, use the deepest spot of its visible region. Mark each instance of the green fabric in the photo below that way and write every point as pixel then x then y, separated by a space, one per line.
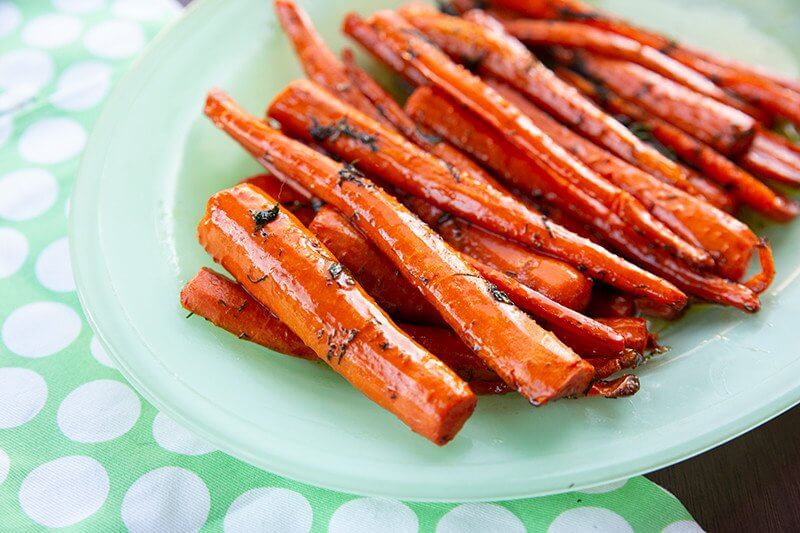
pixel 78 447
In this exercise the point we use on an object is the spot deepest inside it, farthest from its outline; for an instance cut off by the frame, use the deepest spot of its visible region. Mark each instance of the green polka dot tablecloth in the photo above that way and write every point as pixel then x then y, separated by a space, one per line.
pixel 79 448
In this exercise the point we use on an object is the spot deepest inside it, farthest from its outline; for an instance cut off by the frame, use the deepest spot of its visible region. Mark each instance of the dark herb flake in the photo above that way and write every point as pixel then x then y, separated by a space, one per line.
pixel 264 217
pixel 499 295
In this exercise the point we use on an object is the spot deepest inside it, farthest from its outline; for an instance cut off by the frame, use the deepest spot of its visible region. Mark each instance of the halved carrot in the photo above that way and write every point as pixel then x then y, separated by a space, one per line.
pixel 727 129
pixel 608 367
pixel 287 269
pixel 610 303
pixel 482 41
pixel 633 329
pixel 209 295
pixel 468 132
pixel 609 44
pixel 774 158
pixel 319 62
pixel 372 270
pixel 404 165
pixel 531 360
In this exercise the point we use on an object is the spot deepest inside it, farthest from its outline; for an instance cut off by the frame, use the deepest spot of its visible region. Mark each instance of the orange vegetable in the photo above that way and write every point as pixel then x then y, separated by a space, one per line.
pixel 389 156
pixel 529 359
pixel 286 268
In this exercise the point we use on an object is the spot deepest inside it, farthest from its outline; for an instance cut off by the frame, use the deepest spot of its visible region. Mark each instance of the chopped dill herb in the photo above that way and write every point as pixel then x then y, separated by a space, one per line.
pixel 190 315
pixel 499 295
pixel 454 172
pixel 430 138
pixel 332 132
pixel 264 217
pixel 351 173
pixel 335 270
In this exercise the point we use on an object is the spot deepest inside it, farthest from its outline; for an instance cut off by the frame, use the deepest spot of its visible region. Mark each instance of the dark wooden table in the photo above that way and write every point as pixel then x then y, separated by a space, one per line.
pixel 749 484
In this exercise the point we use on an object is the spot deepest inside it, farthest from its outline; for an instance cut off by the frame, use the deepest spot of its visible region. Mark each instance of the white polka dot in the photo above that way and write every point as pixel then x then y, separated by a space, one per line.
pixel 52 140
pixel 267 509
pixel 683 526
pixel 141 9
pixel 23 73
pixel 78 6
pixel 373 514
pixel 114 39
pixel 53 267
pixel 13 251
pixel 65 491
pixel 480 518
pixel 41 329
pixel 175 438
pixel 6 127
pixel 27 193
pixel 608 487
pixel 99 353
pixel 23 393
pixel 166 499
pixel 5 466
pixel 51 31
pixel 589 519
pixel 99 411
pixel 83 85
pixel 9 18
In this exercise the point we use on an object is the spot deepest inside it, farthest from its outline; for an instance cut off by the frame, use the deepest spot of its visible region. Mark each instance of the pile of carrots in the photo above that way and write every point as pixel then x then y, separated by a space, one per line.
pixel 555 174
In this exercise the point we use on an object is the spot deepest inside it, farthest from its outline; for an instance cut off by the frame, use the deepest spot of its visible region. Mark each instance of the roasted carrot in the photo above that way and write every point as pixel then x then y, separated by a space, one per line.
pixel 580 333
pixel 481 41
pixel 633 330
pixel 764 92
pixel 419 135
pixel 697 154
pixel 356 28
pixel 372 270
pixel 608 367
pixel 774 158
pixel 528 358
pixel 610 303
pixel 622 387
pixel 727 129
pixel 553 278
pixel 705 188
pixel 290 195
pixel 209 295
pixel 727 239
pixel 404 165
pixel 469 133
pixel 573 35
pixel 226 304
pixel 319 62
pixel 287 269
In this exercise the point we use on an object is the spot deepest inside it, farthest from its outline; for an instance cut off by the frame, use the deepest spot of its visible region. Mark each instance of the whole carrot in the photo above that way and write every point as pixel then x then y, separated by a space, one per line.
pixel 287 269
pixel 319 62
pixel 574 35
pixel 372 270
pixel 482 41
pixel 310 112
pixel 727 129
pixel 529 359
pixel 468 132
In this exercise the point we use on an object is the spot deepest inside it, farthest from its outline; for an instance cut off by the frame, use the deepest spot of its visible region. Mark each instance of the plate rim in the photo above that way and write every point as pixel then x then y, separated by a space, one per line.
pixel 89 292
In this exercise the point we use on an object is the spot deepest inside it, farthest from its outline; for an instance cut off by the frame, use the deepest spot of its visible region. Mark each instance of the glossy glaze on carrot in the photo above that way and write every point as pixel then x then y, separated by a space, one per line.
pixel 773 157
pixel 395 160
pixel 465 130
pixel 483 42
pixel 573 35
pixel 555 279
pixel 318 61
pixel 283 266
pixel 372 269
pixel 727 129
pixel 528 358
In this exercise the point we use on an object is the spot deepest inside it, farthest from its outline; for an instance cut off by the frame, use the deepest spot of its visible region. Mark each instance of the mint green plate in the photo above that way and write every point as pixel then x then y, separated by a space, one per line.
pixel 152 162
